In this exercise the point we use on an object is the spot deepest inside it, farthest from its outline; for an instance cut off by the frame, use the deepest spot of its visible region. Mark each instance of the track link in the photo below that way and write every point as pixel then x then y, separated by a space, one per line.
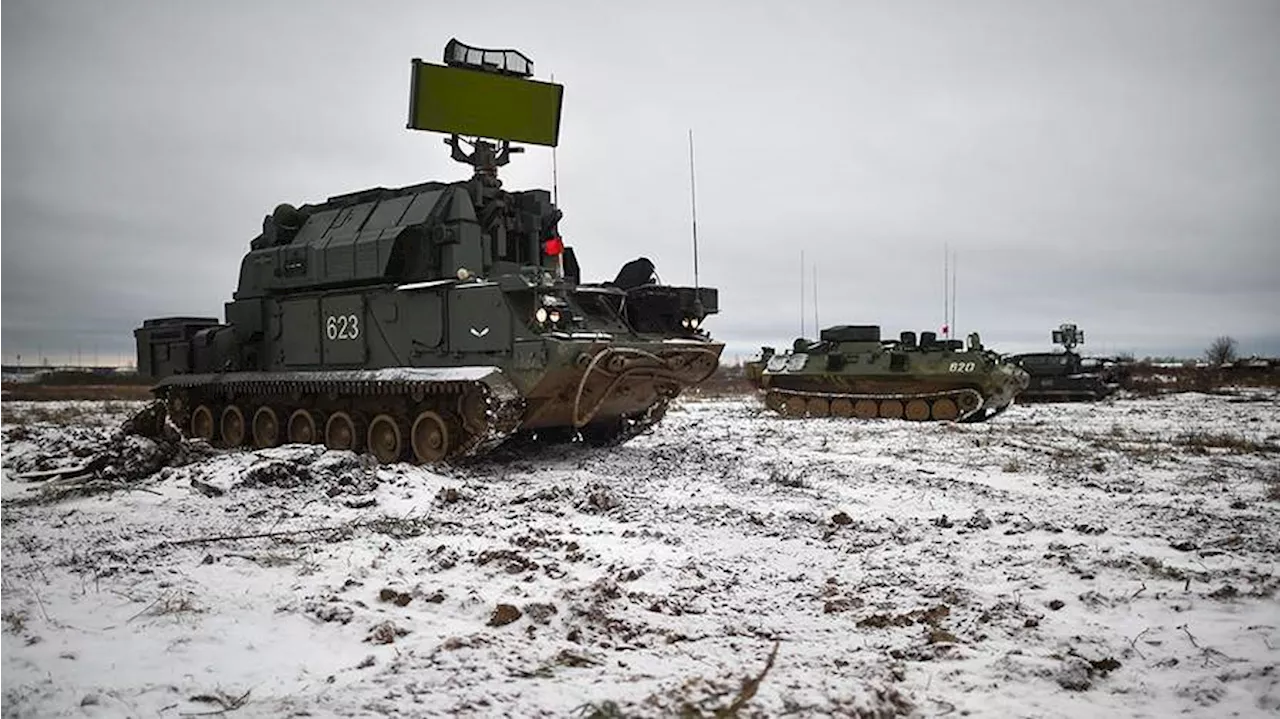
pixel 382 412
pixel 958 405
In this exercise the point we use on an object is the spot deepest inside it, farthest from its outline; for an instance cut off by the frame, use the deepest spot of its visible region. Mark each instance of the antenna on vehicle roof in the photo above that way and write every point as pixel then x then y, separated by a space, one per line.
pixel 693 203
pixel 555 174
pixel 954 261
pixel 802 293
pixel 948 292
pixel 816 326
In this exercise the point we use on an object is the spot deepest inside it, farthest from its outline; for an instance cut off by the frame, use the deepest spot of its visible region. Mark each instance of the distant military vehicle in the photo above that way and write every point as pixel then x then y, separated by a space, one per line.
pixel 1067 376
pixel 851 372
pixel 433 321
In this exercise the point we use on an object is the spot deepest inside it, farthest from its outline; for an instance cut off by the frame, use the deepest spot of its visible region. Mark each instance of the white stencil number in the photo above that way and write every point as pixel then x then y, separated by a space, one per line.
pixel 343 327
pixel 962 366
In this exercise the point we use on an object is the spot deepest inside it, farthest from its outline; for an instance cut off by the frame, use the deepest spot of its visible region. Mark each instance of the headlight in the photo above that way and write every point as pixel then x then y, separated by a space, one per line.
pixel 684 323
pixel 541 315
pixel 555 316
pixel 693 323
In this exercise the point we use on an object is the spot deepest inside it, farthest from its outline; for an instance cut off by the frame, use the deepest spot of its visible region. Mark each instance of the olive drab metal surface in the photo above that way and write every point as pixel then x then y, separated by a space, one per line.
pixel 1067 376
pixel 429 322
pixel 851 372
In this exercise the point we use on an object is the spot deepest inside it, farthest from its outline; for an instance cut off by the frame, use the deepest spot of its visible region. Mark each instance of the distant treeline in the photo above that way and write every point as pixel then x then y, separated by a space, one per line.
pixel 62 378
pixel 1151 378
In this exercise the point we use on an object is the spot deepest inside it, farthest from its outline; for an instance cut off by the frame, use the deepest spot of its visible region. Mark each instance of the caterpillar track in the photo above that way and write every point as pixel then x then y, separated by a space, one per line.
pixel 851 372
pixel 427 415
pixel 432 321
pixel 959 405
pixel 430 415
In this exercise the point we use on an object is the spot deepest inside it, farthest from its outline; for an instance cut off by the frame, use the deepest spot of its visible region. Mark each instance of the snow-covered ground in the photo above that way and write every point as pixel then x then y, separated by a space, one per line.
pixel 1116 559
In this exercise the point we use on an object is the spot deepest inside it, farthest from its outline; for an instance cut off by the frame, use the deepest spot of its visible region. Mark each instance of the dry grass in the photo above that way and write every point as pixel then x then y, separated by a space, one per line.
pixel 1202 442
pixel 1137 448
pixel 15 620
pixel 170 604
pixel 1146 380
pixel 30 392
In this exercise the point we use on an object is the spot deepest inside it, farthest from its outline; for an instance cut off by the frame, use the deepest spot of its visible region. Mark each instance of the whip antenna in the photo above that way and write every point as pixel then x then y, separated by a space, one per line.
pixel 693 202
pixel 946 291
pixel 555 175
pixel 955 260
pixel 802 293
pixel 816 331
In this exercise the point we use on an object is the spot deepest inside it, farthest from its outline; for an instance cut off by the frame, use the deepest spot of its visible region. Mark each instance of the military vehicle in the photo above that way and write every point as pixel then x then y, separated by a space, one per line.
pixel 433 321
pixel 851 372
pixel 1066 376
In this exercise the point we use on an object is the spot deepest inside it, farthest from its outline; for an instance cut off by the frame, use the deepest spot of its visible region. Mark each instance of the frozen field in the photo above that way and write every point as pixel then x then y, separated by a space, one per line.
pixel 1116 559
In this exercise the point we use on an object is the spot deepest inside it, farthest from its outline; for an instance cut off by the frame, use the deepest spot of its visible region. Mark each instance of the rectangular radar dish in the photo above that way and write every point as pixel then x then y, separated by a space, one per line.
pixel 484 104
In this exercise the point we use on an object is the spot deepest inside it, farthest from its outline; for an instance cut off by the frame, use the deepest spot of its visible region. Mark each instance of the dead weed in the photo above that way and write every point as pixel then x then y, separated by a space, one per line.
pixel 1202 442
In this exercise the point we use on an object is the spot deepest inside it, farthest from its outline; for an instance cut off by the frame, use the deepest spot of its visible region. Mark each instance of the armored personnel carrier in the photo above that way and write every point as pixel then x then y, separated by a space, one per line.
pixel 851 372
pixel 1066 376
pixel 433 321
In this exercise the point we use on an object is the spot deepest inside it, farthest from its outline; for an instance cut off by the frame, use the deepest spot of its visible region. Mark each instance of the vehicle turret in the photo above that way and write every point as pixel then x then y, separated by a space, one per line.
pixel 434 320
pixel 1066 375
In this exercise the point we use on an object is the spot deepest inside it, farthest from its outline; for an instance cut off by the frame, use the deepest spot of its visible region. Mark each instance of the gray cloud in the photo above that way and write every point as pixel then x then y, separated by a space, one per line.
pixel 1115 164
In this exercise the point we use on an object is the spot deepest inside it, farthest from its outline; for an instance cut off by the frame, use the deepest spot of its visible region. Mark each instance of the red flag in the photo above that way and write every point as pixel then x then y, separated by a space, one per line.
pixel 945 330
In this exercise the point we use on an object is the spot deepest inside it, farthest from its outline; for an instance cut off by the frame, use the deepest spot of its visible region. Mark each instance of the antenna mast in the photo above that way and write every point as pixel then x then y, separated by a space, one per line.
pixel 816 331
pixel 946 291
pixel 954 262
pixel 693 201
pixel 555 174
pixel 802 293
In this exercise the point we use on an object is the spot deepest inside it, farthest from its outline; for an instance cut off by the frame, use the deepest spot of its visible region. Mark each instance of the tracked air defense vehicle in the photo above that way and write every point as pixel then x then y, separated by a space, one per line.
pixel 1066 376
pixel 851 372
pixel 434 321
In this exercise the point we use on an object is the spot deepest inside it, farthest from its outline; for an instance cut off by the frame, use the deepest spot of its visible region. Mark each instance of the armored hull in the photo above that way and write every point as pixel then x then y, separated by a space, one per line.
pixel 366 324
pixel 1067 377
pixel 433 321
pixel 851 372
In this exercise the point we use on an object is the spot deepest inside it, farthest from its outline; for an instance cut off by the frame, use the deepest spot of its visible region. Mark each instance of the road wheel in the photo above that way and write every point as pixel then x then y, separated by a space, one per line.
pixel 774 401
pixel 945 409
pixel 794 407
pixel 266 428
pixel 202 424
pixel 474 411
pixel 340 432
pixel 176 406
pixel 430 438
pixel 841 407
pixel 232 426
pixel 302 427
pixel 866 409
pixel 384 440
pixel 891 409
pixel 917 410
pixel 818 407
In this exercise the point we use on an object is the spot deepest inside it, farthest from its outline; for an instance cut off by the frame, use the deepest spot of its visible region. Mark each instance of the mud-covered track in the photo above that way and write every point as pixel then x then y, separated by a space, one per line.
pixel 395 415
pixel 961 405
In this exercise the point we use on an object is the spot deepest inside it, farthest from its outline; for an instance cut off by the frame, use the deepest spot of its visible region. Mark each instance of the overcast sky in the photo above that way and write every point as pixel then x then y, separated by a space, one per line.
pixel 1115 164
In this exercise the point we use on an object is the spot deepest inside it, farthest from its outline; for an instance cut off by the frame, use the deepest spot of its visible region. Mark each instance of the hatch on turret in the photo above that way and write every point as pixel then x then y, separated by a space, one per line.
pixel 851 333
